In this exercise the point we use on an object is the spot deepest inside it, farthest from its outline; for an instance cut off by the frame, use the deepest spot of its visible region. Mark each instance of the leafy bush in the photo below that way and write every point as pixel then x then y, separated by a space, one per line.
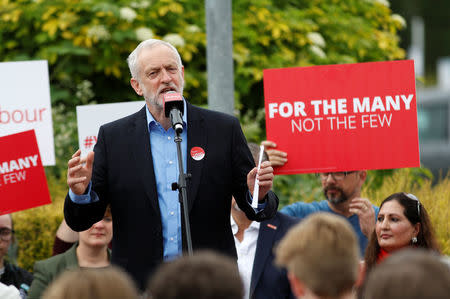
pixel 89 40
pixel 307 187
pixel 65 138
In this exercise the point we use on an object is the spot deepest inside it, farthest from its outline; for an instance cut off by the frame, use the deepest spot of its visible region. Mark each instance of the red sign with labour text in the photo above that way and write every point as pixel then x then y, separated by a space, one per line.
pixel 343 117
pixel 23 184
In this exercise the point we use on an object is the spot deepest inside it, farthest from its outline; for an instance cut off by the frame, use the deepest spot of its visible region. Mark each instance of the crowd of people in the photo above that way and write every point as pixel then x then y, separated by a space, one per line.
pixel 317 256
pixel 341 247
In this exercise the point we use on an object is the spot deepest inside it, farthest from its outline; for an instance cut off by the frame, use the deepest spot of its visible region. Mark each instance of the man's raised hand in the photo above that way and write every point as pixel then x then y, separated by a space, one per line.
pixel 79 172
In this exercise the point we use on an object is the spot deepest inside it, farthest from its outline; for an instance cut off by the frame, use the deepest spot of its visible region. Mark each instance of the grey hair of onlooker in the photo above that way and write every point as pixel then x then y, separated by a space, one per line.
pixel 254 149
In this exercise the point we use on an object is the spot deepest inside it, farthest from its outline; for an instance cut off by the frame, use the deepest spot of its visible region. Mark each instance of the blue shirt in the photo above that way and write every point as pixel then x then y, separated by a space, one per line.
pixel 165 166
pixel 303 209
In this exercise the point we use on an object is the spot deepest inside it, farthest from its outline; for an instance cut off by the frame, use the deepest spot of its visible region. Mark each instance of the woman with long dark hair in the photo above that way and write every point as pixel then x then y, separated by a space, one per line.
pixel 402 222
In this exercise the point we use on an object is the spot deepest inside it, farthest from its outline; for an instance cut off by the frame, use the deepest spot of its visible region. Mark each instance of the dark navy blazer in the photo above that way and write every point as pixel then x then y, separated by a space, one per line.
pixel 268 281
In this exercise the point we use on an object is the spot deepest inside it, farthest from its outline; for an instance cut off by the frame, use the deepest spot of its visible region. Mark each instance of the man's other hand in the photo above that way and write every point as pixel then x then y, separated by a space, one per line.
pixel 265 177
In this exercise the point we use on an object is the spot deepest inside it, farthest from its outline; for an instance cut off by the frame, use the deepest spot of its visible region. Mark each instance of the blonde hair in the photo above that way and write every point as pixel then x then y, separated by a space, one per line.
pixel 91 283
pixel 321 251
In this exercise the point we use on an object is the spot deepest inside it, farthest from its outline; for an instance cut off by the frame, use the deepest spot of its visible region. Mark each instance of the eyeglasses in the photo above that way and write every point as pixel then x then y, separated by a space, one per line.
pixel 413 197
pixel 337 176
pixel 6 233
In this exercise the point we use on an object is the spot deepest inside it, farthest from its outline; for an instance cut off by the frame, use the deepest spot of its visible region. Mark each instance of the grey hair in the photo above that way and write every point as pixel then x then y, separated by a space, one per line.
pixel 132 59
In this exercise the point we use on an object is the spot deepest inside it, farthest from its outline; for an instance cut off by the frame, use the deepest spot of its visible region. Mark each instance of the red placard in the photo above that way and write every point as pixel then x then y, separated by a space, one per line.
pixel 343 117
pixel 22 178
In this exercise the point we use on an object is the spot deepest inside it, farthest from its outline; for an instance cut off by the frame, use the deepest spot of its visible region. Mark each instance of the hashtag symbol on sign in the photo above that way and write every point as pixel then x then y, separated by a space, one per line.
pixel 88 141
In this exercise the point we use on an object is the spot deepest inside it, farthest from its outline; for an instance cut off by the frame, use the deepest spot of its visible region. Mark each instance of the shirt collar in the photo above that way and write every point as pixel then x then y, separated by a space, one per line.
pixel 151 119
pixel 234 227
pixel 255 225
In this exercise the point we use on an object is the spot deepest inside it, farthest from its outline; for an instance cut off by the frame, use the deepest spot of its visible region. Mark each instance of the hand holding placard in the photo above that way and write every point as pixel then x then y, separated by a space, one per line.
pixel 79 172
pixel 276 157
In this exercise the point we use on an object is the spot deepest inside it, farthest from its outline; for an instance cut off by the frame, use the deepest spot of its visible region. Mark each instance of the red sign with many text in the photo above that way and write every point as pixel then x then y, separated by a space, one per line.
pixel 343 117
pixel 23 184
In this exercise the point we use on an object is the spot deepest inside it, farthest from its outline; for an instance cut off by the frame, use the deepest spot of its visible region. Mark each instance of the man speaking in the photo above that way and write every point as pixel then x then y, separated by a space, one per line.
pixel 135 165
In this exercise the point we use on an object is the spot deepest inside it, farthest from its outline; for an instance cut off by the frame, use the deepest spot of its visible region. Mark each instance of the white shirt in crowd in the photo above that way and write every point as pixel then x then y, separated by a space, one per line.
pixel 9 292
pixel 246 252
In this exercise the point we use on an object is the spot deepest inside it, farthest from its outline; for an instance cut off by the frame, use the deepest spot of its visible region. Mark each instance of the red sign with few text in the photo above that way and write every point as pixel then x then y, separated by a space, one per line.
pixel 23 184
pixel 343 117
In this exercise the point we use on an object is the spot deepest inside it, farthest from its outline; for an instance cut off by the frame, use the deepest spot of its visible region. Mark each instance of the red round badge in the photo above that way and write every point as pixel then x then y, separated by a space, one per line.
pixel 197 153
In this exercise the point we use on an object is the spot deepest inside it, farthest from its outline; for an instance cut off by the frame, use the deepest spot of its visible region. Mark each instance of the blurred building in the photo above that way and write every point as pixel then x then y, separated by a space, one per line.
pixel 433 104
pixel 434 127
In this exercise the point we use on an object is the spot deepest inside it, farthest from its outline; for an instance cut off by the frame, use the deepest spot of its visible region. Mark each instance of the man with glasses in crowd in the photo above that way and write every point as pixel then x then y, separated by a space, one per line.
pixel 342 191
pixel 11 274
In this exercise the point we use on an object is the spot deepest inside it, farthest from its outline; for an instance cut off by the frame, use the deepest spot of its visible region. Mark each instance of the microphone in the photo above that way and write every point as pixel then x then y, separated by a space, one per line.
pixel 174 108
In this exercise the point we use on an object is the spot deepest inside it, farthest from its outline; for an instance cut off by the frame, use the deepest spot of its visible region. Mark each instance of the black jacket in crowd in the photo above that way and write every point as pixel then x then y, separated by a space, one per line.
pixel 17 277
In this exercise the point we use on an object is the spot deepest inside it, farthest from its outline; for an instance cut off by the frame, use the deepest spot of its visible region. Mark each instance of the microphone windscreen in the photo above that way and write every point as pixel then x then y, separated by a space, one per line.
pixel 173 100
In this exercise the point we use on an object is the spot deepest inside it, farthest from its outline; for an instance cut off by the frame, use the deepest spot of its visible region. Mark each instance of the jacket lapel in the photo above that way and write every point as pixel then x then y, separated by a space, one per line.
pixel 196 133
pixel 140 146
pixel 70 257
pixel 263 249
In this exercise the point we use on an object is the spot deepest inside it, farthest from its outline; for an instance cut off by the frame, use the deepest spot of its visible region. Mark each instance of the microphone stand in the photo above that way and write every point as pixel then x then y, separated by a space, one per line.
pixel 182 187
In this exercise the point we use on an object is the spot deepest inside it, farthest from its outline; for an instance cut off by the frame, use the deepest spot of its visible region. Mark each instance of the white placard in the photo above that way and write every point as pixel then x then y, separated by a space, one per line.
pixel 91 117
pixel 25 103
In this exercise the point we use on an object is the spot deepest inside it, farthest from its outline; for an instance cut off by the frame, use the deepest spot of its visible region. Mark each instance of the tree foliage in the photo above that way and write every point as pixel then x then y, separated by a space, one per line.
pixel 275 34
pixel 89 40
pixel 86 43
